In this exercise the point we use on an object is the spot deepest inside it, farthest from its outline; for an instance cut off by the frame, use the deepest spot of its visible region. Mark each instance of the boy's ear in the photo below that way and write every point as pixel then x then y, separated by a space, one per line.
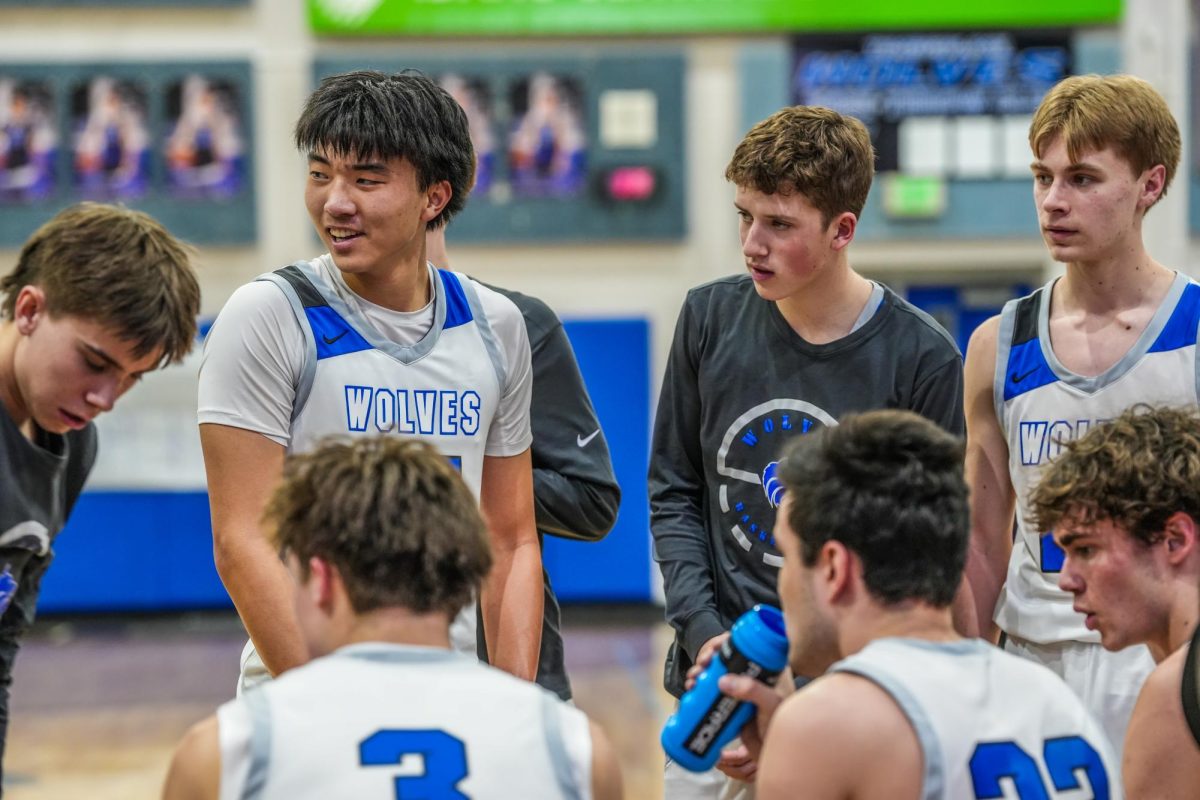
pixel 28 309
pixel 842 228
pixel 1154 183
pixel 437 197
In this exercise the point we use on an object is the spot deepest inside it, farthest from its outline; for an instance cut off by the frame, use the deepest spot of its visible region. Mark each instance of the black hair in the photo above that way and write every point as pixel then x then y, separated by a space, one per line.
pixel 889 486
pixel 371 114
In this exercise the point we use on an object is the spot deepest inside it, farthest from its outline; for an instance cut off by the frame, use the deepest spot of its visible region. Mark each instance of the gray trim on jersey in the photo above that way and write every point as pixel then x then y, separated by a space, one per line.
pixel 309 370
pixel 934 784
pixel 406 354
pixel 485 329
pixel 260 744
pixel 398 654
pixel 1008 321
pixel 1117 371
pixel 873 304
pixel 552 724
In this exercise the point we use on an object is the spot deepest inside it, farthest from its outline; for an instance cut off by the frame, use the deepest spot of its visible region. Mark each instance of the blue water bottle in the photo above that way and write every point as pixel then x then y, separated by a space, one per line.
pixel 707 720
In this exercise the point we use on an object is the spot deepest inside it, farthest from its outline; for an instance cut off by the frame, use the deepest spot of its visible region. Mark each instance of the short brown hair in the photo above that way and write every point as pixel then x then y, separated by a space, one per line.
pixel 1092 112
pixel 118 267
pixel 1135 471
pixel 823 155
pixel 392 515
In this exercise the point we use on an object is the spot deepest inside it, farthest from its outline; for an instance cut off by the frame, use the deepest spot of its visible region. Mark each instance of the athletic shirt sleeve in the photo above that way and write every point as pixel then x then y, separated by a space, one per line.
pixel 253 357
pixel 510 433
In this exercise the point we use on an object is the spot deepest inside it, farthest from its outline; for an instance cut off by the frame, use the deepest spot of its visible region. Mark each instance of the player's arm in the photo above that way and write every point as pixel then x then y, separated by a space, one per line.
pixel 575 493
pixel 195 771
pixel 816 749
pixel 992 500
pixel 676 487
pixel 243 468
pixel 606 771
pixel 511 598
pixel 1160 758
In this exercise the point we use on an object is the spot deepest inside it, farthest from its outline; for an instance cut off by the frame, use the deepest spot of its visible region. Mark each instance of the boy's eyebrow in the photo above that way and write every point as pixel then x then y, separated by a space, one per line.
pixel 104 356
pixel 1078 166
pixel 364 166
pixel 1070 537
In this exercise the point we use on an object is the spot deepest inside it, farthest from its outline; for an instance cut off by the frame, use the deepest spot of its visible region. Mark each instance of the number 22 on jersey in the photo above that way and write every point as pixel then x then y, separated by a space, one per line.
pixel 1063 757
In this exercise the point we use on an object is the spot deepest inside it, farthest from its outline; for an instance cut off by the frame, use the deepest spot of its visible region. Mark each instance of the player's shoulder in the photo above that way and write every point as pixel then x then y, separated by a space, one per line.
pixel 724 289
pixel 919 325
pixel 497 306
pixel 817 712
pixel 256 299
pixel 539 317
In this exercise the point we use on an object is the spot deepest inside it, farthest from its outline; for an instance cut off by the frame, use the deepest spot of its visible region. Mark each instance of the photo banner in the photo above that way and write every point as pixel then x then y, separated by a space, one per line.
pixel 634 17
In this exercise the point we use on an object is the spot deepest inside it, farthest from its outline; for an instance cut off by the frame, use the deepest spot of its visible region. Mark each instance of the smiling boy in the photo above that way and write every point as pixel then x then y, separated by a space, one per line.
pixel 370 338
pixel 1117 329
pixel 792 344
pixel 1124 505
pixel 100 295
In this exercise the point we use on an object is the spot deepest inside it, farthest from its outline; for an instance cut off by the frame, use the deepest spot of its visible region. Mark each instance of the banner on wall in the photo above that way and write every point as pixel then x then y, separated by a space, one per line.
pixel 576 17
pixel 950 104
pixel 171 139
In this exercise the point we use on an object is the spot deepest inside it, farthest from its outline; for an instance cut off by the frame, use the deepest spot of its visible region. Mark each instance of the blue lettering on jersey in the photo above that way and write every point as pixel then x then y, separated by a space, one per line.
pixel 445 412
pixel 1042 440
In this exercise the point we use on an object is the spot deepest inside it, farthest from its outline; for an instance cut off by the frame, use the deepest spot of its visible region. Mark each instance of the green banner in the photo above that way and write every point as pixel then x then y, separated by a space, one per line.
pixel 584 17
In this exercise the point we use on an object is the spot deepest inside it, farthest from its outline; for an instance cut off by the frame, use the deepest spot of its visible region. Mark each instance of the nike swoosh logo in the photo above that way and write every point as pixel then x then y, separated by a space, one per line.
pixel 1015 378
pixel 582 441
pixel 334 339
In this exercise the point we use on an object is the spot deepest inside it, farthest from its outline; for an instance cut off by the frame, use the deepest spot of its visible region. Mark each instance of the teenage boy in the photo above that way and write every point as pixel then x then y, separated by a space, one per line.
pixel 383 544
pixel 794 343
pixel 1117 329
pixel 369 338
pixel 1124 505
pixel 100 296
pixel 873 529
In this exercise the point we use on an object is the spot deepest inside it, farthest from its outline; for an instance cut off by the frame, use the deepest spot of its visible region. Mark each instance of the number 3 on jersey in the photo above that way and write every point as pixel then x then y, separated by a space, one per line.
pixel 1064 757
pixel 445 761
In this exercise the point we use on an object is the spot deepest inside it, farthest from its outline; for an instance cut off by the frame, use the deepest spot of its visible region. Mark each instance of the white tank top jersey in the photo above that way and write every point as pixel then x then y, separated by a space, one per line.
pixel 384 721
pixel 1041 405
pixel 990 724
pixel 445 388
pixel 297 356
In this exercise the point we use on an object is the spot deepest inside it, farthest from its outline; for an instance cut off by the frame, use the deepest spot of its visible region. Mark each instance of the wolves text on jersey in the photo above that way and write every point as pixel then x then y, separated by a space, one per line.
pixel 429 412
pixel 1042 440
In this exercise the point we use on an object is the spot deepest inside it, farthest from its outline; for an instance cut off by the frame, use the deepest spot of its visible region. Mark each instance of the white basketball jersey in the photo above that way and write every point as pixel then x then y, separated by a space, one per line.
pixel 1041 405
pixel 390 721
pixel 444 389
pixel 990 724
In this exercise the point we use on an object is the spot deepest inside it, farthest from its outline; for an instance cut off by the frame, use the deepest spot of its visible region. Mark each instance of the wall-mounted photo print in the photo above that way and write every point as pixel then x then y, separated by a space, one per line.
pixel 111 149
pixel 547 146
pixel 204 146
pixel 28 140
pixel 473 95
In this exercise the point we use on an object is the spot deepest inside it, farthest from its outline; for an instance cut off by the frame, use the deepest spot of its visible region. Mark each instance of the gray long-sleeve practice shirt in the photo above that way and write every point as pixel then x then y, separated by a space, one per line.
pixel 739 383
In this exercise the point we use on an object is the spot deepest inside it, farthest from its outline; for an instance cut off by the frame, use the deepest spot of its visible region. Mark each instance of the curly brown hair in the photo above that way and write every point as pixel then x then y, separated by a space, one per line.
pixel 1134 471
pixel 392 515
pixel 823 155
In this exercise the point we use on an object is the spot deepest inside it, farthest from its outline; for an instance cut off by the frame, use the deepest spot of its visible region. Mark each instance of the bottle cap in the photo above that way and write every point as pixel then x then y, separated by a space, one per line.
pixel 761 636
